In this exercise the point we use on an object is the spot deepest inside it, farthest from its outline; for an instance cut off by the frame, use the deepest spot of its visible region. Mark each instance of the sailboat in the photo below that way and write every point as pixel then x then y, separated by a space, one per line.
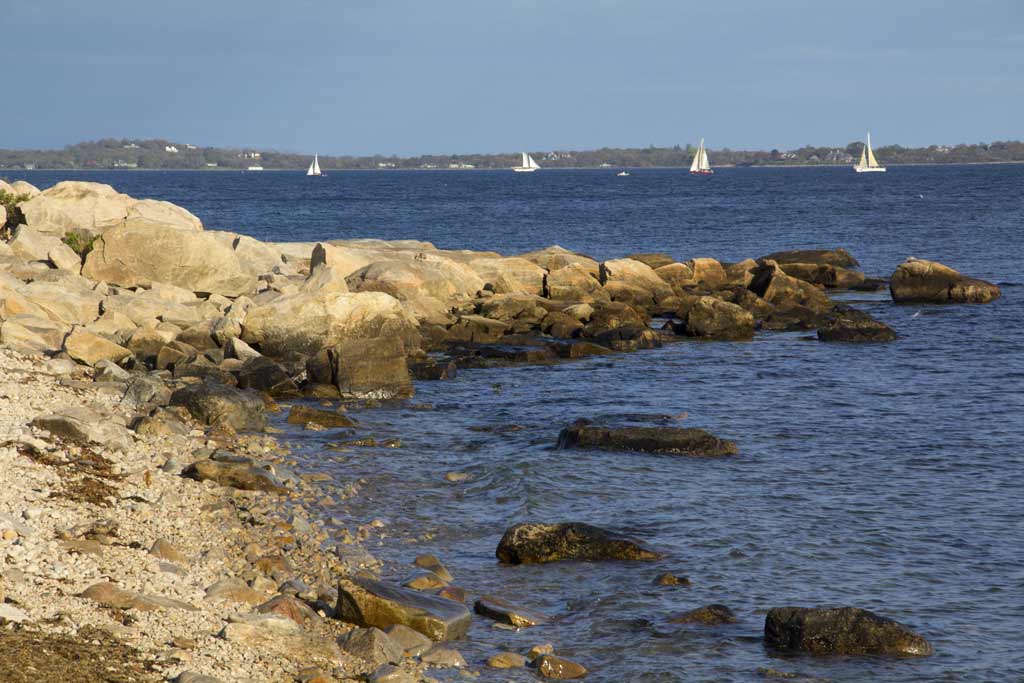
pixel 700 165
pixel 314 168
pixel 868 163
pixel 528 165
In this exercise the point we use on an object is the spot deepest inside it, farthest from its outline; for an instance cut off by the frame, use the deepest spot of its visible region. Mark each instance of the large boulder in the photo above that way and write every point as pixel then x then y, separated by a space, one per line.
pixel 532 543
pixel 574 282
pixel 772 284
pixel 72 303
pixel 139 253
pixel 432 276
pixel 218 405
pixel 306 322
pixel 344 260
pixel 916 280
pixel 164 213
pixel 707 273
pixel 76 206
pixel 712 318
pixel 89 348
pixel 555 257
pixel 527 275
pixel 635 274
pixel 846 324
pixel 366 602
pixel 840 631
pixel 30 244
pixel 826 275
pixel 827 257
pixel 686 441
pixel 371 367
pixel 31 334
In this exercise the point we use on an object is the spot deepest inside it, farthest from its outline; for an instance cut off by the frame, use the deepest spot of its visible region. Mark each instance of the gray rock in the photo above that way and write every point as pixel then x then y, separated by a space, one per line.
pixel 507 613
pixel 218 405
pixel 412 643
pixel 235 475
pixel 391 674
pixel 444 657
pixel 109 371
pixel 84 426
pixel 371 645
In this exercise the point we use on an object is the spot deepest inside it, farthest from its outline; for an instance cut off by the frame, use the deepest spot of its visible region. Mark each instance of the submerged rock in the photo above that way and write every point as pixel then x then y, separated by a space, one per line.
pixel 687 441
pixel 850 325
pixel 840 631
pixel 534 543
pixel 709 615
pixel 302 415
pixel 507 613
pixel 366 602
pixel 550 666
pixel 916 280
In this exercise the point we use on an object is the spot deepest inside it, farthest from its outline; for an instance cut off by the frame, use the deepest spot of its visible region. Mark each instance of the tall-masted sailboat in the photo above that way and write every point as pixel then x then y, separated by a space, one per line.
pixel 527 166
pixel 314 168
pixel 700 165
pixel 868 163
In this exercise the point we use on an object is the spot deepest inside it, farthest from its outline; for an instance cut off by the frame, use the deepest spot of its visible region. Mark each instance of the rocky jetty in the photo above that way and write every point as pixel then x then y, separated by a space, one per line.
pixel 916 280
pixel 840 631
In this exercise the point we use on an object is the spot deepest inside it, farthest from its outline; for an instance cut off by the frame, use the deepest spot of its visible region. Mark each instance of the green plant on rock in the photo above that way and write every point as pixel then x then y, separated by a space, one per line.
pixel 80 243
pixel 15 217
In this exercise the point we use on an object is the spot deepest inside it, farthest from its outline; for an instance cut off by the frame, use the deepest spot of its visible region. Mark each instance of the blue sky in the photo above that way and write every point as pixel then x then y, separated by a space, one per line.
pixel 450 76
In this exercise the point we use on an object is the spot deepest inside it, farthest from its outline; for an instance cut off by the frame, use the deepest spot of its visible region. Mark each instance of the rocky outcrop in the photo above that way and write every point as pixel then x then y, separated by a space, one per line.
pixel 827 257
pixel 138 253
pixel 630 275
pixel 431 276
pixel 846 324
pixel 574 282
pixel 772 284
pixel 712 318
pixel 828 276
pixel 533 543
pixel 555 257
pixel 366 602
pixel 685 441
pixel 916 280
pixel 840 631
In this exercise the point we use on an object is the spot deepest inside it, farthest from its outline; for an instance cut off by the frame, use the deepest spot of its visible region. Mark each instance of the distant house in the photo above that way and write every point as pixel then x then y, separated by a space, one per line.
pixel 131 145
pixel 191 147
pixel 211 164
pixel 171 149
pixel 460 165
pixel 124 164
pixel 385 164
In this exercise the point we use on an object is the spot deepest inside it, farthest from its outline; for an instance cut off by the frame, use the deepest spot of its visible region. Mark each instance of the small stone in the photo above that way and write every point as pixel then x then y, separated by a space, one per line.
pixel 425 581
pixel 456 477
pixel 710 615
pixel 550 666
pixel 507 613
pixel 391 674
pixel 671 580
pixel 166 551
pixel 432 564
pixel 538 650
pixel 507 660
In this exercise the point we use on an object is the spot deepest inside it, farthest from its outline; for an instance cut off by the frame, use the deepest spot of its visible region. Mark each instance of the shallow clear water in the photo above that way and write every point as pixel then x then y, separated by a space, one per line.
pixel 882 476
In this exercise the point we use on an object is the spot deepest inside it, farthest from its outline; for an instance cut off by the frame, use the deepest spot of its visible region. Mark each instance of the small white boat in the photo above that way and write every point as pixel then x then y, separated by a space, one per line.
pixel 868 163
pixel 254 168
pixel 700 165
pixel 622 174
pixel 314 168
pixel 528 165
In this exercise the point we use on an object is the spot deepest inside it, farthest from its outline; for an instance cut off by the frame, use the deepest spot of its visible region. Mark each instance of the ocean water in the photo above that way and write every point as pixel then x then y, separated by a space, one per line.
pixel 888 477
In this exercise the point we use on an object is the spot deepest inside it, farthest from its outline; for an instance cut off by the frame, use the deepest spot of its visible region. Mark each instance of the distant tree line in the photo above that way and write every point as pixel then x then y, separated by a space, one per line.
pixel 164 154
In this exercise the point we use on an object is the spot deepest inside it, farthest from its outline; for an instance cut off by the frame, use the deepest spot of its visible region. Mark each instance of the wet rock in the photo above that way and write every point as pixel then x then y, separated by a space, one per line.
pixel 538 650
pixel 840 631
pixel 686 441
pixel 506 660
pixel 324 418
pixel 110 595
pixel 671 580
pixel 263 374
pixel 793 317
pixel 507 613
pixel 432 564
pixel 452 593
pixel 850 325
pixel 561 325
pixel 712 318
pixel 412 642
pixel 444 657
pixel 371 368
pixel 423 581
pixel 238 475
pixel 366 602
pixel 533 543
pixel 221 406
pixel 433 369
pixel 581 349
pixel 518 354
pixel 709 615
pixel 550 666
pixel 831 257
pixel 916 280
pixel 371 645
pixel 81 425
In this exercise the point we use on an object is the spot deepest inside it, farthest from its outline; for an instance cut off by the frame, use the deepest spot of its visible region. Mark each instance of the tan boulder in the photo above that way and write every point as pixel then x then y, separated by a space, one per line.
pixel 33 335
pixel 23 187
pixel 741 272
pixel 574 282
pixel 555 257
pixel 65 258
pixel 528 275
pixel 676 274
pixel 917 280
pixel 635 274
pixel 76 206
pixel 433 276
pixel 707 273
pixel 89 348
pixel 325 278
pixel 165 213
pixel 114 325
pixel 32 245
pixel 307 322
pixel 68 304
pixel 345 260
pixel 774 286
pixel 139 253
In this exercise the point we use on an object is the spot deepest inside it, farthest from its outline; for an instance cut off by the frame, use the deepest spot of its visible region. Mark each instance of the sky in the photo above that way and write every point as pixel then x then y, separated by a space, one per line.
pixel 412 77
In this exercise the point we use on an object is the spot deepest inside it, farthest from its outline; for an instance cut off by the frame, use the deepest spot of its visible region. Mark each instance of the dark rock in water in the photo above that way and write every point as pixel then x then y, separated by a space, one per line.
pixel 516 354
pixel 263 374
pixel 425 580
pixel 654 260
pixel 300 415
pixel 840 631
pixel 433 369
pixel 477 329
pixel 624 338
pixel 507 613
pixel 712 318
pixel 366 602
pixel 432 564
pixel 532 543
pixel 452 593
pixel 371 368
pixel 709 615
pixel 850 325
pixel 671 580
pixel 930 282
pixel 688 441
pixel 793 317
pixel 580 349
pixel 238 475
pixel 831 257
pixel 221 406
pixel 871 284
pixel 741 296
pixel 773 285
pixel 557 668
pixel 828 276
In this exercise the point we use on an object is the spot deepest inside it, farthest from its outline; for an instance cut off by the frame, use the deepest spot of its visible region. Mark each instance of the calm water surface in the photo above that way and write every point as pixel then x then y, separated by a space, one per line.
pixel 883 476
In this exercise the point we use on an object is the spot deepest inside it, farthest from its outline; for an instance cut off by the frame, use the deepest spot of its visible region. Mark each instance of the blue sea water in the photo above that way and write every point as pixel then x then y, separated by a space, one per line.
pixel 885 476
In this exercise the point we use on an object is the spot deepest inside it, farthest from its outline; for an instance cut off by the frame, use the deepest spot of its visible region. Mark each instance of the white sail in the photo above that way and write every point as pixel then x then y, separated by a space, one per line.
pixel 314 168
pixel 704 164
pixel 872 162
pixel 863 157
pixel 527 165
pixel 695 165
pixel 526 160
pixel 700 162
pixel 868 162
pixel 530 163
